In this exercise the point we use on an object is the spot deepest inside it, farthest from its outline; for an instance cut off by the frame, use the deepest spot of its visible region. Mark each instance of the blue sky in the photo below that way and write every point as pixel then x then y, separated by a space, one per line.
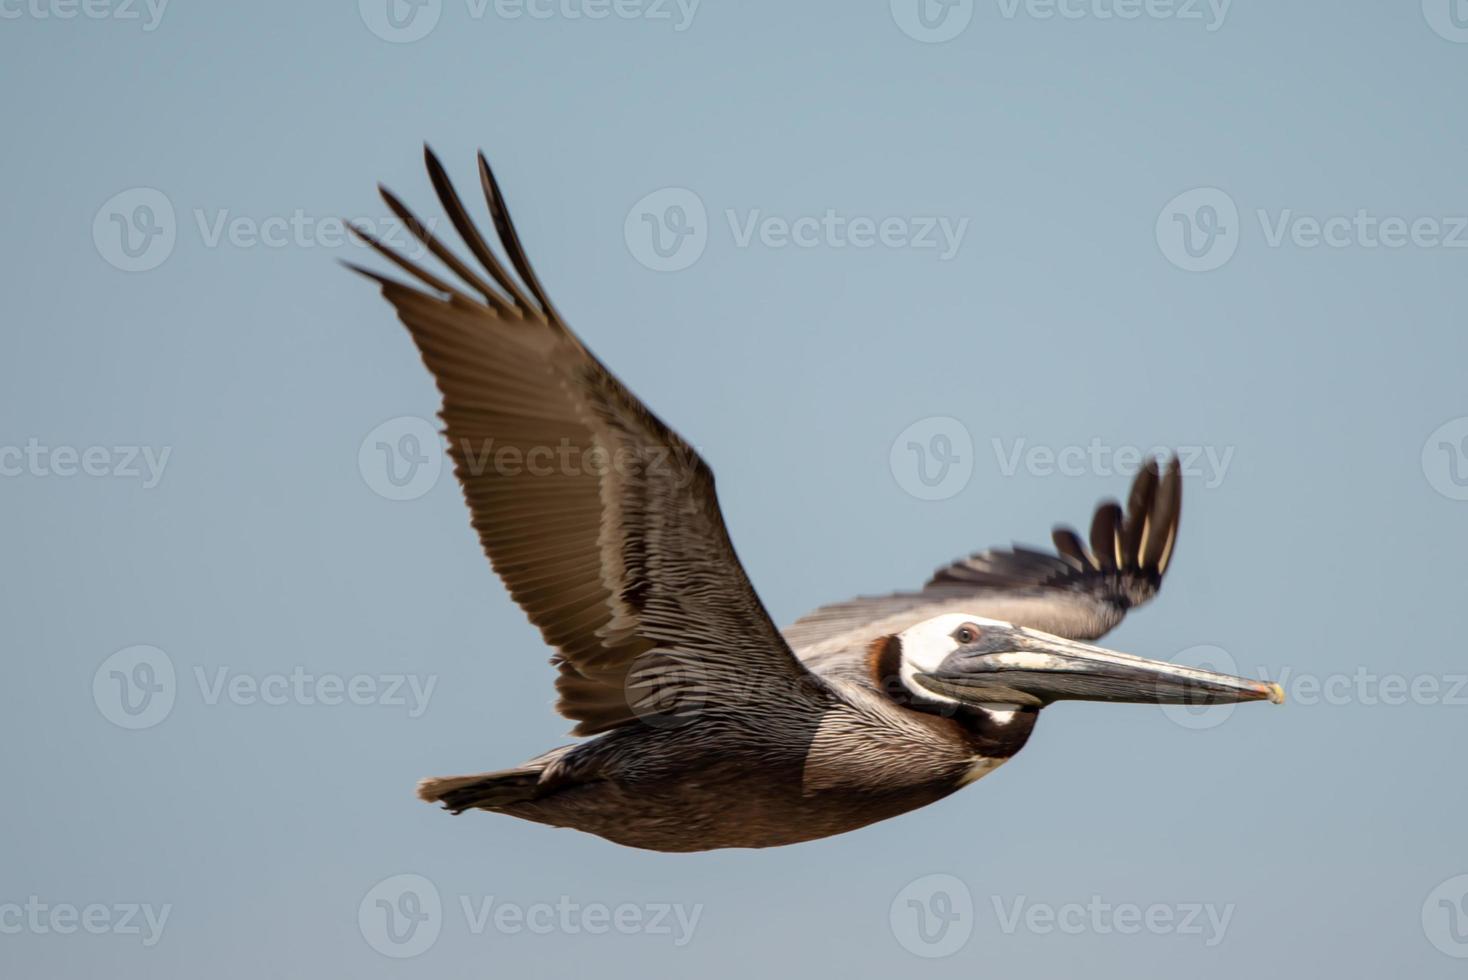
pixel 1034 240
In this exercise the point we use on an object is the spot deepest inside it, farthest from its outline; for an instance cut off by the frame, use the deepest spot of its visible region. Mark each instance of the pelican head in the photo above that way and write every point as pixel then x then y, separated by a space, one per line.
pixel 958 659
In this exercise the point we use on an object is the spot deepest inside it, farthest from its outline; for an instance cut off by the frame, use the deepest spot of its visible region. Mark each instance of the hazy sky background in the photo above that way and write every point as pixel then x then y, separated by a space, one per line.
pixel 1088 311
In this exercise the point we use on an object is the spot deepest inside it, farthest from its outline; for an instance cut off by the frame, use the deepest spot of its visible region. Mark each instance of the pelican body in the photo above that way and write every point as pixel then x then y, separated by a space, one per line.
pixel 708 726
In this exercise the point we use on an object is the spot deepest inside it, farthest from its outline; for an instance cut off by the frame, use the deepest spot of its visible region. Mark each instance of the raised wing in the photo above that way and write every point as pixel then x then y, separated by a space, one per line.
pixel 601 521
pixel 1076 592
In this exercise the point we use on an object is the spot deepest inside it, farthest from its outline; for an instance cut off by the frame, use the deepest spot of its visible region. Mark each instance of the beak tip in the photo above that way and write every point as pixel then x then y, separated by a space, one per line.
pixel 1276 694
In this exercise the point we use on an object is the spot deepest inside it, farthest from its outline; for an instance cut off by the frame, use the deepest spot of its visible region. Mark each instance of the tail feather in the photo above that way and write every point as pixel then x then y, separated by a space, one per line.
pixel 483 791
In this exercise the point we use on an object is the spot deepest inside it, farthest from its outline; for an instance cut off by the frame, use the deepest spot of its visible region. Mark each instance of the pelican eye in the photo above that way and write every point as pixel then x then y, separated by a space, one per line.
pixel 966 634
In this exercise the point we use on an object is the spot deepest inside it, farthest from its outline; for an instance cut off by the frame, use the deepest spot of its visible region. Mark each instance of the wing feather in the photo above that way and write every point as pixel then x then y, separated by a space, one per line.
pixel 602 522
pixel 1074 593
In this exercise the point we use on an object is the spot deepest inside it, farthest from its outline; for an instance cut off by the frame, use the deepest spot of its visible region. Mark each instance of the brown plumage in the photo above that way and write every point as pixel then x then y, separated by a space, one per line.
pixel 714 728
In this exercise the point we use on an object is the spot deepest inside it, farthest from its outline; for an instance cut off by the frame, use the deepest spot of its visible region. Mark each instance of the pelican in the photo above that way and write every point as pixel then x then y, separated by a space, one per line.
pixel 713 728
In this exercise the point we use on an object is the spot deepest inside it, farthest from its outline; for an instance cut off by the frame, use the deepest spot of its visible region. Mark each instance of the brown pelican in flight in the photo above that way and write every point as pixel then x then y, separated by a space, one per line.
pixel 714 728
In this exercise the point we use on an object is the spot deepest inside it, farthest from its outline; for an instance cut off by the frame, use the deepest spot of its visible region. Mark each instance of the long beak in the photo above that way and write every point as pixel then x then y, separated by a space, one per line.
pixel 1037 668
